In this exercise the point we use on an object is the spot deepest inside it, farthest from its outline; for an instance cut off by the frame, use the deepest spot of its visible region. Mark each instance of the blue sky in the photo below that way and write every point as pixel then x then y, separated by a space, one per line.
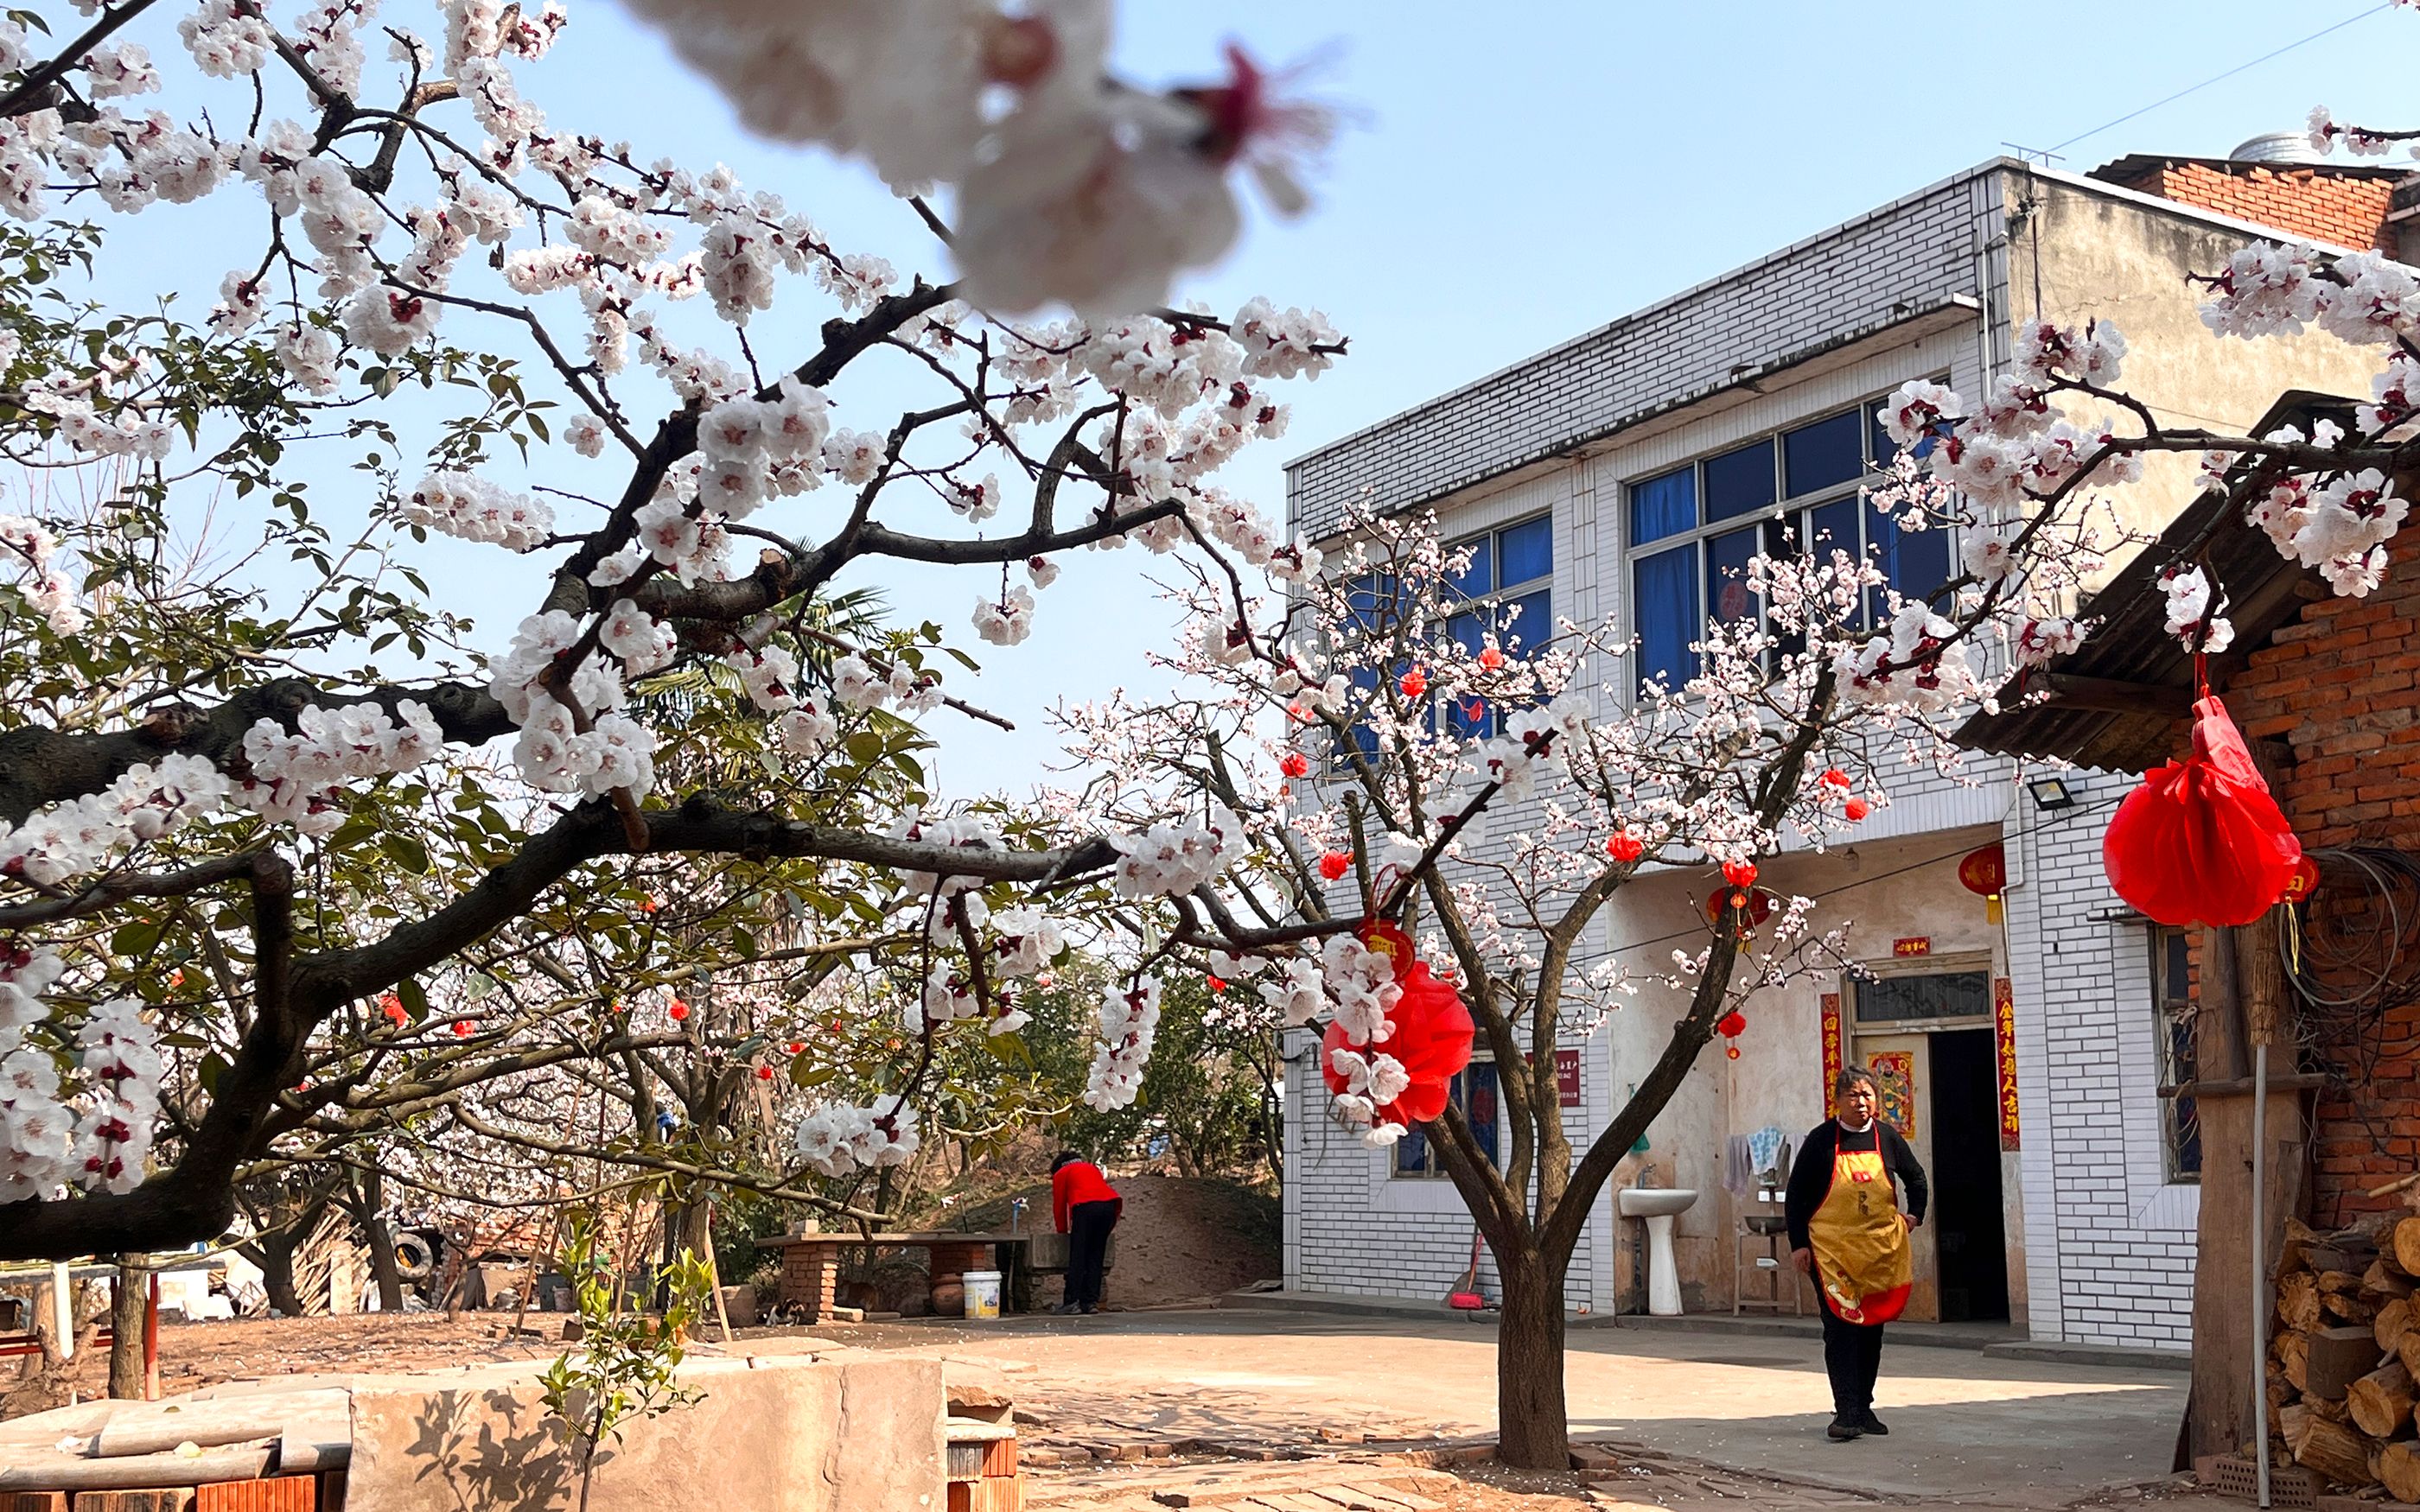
pixel 1518 174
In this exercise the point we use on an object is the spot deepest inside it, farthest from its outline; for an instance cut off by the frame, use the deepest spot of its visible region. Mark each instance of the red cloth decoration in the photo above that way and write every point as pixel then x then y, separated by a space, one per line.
pixel 1431 1039
pixel 2201 841
pixel 1733 1025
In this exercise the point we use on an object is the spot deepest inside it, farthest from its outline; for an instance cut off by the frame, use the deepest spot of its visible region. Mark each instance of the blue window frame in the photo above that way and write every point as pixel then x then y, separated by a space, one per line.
pixel 1474 1092
pixel 1510 582
pixel 1691 536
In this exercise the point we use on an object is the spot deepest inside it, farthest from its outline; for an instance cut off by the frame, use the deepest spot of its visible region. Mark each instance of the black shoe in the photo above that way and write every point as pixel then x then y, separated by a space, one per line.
pixel 1867 1423
pixel 1843 1428
pixel 1068 1309
pixel 1088 1309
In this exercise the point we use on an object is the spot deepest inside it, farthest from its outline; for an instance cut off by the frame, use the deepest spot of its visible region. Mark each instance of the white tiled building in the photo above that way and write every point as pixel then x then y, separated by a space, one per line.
pixel 1615 476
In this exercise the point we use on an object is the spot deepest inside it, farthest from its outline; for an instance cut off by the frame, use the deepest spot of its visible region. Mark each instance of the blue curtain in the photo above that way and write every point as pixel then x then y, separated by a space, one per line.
pixel 1663 507
pixel 1664 611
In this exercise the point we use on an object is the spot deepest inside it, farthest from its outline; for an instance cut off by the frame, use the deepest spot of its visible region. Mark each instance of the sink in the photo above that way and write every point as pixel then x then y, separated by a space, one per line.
pixel 1656 1206
pixel 1652 1201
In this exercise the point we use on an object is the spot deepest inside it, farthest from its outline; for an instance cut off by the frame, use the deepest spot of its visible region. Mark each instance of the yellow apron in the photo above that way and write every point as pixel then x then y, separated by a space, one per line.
pixel 1863 1260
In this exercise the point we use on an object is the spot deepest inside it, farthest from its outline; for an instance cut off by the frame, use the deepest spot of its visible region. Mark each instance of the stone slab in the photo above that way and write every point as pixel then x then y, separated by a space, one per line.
pixel 858 1433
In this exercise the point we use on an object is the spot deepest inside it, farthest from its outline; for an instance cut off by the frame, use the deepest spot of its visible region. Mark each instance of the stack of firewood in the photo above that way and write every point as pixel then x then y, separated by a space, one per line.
pixel 2344 1352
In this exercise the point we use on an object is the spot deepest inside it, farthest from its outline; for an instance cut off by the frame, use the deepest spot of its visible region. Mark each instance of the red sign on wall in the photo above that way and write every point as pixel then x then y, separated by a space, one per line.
pixel 2004 1035
pixel 1567 1078
pixel 1831 1053
pixel 1913 945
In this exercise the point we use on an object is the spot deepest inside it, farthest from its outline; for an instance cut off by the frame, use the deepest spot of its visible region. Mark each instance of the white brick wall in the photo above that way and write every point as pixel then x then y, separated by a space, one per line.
pixel 2110 1256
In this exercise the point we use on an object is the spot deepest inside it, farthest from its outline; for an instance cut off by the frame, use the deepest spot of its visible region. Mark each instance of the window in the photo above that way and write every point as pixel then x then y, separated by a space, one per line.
pixel 2172 1010
pixel 1942 994
pixel 1693 530
pixel 1508 584
pixel 1474 1093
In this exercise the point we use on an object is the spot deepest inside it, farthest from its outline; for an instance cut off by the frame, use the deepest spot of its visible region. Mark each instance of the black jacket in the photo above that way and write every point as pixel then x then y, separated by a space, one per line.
pixel 1811 1173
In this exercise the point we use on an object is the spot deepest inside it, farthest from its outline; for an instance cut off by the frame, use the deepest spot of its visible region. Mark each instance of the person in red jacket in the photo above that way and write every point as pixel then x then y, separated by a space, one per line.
pixel 1084 1207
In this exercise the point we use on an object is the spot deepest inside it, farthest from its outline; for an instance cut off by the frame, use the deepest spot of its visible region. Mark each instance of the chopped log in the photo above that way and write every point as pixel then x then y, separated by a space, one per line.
pixel 2293 1352
pixel 2393 1320
pixel 2298 1302
pixel 2383 1280
pixel 2293 1254
pixel 2407 1350
pixel 2335 1451
pixel 2381 1402
pixel 2338 1357
pixel 2398 1466
pixel 2344 1307
pixel 2333 1410
pixel 2407 1246
pixel 2338 1280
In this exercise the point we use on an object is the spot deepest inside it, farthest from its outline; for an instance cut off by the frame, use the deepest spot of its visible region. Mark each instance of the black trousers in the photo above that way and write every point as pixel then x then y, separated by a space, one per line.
pixel 1088 1245
pixel 1852 1357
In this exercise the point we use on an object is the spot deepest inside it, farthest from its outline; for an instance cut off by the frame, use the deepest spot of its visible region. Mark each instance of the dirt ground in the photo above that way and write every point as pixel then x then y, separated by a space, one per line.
pixel 194 1355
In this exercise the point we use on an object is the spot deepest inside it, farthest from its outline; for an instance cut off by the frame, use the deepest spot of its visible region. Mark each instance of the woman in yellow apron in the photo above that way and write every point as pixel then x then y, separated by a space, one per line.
pixel 1849 1231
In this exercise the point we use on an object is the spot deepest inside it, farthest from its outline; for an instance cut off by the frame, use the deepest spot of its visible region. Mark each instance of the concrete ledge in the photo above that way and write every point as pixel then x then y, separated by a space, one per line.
pixel 1328 1302
pixel 2106 1355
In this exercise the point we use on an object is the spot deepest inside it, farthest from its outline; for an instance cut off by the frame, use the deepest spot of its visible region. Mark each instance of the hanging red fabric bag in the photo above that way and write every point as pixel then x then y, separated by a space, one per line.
pixel 2201 841
pixel 1432 1035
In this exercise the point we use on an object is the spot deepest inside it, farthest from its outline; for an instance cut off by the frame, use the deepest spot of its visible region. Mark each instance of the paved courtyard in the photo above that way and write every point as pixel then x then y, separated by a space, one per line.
pixel 1967 1427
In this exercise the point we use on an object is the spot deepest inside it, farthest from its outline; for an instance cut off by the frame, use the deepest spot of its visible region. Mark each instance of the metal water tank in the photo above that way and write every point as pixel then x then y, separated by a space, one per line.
pixel 2278 147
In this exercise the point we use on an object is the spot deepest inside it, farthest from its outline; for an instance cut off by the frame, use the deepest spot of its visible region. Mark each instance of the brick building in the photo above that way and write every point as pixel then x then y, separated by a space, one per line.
pixel 1613 477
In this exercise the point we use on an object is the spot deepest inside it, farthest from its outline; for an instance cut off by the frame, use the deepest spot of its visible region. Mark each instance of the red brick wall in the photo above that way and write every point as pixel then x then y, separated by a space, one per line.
pixel 2348 211
pixel 2341 688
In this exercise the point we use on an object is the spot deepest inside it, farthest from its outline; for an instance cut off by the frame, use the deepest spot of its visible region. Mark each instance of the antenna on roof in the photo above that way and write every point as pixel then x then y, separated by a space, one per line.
pixel 2042 155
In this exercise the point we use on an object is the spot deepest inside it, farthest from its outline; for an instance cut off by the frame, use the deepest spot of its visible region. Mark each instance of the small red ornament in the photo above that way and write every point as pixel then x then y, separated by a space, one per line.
pixel 2304 882
pixel 176 977
pixel 461 1029
pixel 764 1073
pixel 1334 865
pixel 679 1011
pixel 795 1047
pixel 1217 985
pixel 1855 810
pixel 1625 847
pixel 649 904
pixel 1835 777
pixel 392 1007
pixel 1733 1025
pixel 1731 1050
pixel 1754 905
pixel 1414 682
pixel 1491 660
pixel 1295 765
pixel 1740 873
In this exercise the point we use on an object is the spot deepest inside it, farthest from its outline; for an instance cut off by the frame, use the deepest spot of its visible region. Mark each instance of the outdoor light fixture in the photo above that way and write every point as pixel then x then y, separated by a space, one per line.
pixel 2050 793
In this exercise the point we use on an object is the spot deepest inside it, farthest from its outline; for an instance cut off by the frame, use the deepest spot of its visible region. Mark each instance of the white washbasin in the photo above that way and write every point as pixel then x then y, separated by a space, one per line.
pixel 1652 1201
pixel 1656 1206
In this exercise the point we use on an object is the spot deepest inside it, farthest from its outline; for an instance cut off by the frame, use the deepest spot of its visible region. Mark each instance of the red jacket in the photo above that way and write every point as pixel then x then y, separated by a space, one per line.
pixel 1079 1180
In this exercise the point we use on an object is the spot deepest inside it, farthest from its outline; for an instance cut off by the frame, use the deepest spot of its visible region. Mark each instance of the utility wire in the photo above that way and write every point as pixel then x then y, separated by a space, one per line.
pixel 2230 73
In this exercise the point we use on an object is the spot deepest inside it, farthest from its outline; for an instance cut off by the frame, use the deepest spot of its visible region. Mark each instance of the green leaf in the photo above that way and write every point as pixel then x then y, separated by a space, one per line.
pixel 406 851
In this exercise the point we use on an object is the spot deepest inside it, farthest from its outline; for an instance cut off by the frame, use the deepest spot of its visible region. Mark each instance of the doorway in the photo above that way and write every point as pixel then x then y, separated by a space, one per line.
pixel 1970 1238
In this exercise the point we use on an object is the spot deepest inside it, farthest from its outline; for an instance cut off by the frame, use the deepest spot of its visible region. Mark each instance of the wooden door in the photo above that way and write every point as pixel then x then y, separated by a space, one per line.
pixel 1903 1070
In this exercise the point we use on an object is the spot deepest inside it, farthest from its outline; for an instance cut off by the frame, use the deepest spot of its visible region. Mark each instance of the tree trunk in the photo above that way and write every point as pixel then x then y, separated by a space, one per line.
pixel 275 1255
pixel 126 1325
pixel 363 1199
pixel 1532 1429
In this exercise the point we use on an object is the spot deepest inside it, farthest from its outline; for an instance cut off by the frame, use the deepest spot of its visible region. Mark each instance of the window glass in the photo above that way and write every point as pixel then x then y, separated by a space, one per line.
pixel 1525 622
pixel 1526 551
pixel 1728 598
pixel 1365 683
pixel 1663 507
pixel 1943 996
pixel 1915 562
pixel 1739 481
pixel 1466 716
pixel 1824 454
pixel 1833 527
pixel 2172 994
pixel 1478 579
pixel 1664 599
pixel 1473 1091
pixel 1371 600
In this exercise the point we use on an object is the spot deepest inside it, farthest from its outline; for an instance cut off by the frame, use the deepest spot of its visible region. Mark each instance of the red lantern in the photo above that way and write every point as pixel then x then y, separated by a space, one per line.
pixel 1756 905
pixel 1431 1038
pixel 1740 873
pixel 1414 682
pixel 2201 841
pixel 795 1047
pixel 391 1006
pixel 1835 777
pixel 1295 765
pixel 2304 882
pixel 1490 659
pixel 1855 810
pixel 461 1029
pixel 679 1011
pixel 1732 1026
pixel 1334 865
pixel 1625 847
pixel 764 1073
